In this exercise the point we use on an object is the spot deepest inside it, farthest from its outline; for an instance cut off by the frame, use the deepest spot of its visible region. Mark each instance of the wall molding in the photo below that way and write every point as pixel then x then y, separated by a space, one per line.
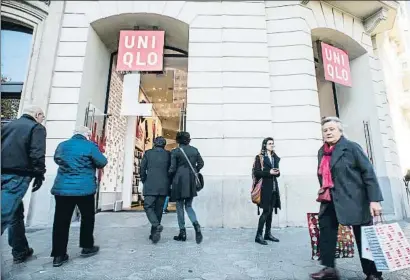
pixel 374 20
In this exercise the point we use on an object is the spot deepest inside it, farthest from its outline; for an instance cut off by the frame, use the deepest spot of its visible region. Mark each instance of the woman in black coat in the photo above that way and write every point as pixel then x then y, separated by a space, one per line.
pixel 345 172
pixel 183 184
pixel 270 197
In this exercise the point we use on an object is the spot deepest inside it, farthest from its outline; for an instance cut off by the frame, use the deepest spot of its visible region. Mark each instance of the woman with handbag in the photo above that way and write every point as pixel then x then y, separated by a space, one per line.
pixel 266 167
pixel 186 162
pixel 349 195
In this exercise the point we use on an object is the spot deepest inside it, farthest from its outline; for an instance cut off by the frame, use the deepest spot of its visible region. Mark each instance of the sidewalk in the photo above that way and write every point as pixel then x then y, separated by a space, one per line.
pixel 127 254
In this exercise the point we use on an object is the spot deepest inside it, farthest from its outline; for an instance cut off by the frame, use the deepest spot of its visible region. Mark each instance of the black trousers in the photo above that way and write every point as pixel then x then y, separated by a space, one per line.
pixel 265 220
pixel 154 206
pixel 329 225
pixel 62 219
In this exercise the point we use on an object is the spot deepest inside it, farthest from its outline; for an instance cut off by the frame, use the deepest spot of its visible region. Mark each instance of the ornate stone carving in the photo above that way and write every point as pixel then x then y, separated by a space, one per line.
pixel 304 2
pixel 372 21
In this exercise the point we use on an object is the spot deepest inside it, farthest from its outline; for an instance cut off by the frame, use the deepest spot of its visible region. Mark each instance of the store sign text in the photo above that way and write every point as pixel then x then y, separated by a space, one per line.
pixel 141 50
pixel 336 65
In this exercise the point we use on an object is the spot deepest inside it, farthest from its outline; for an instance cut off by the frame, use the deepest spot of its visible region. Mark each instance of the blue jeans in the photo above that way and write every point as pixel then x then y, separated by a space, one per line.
pixel 13 189
pixel 166 203
pixel 189 210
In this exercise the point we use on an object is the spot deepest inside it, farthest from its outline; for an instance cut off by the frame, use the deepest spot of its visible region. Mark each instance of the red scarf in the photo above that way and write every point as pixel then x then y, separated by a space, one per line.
pixel 324 168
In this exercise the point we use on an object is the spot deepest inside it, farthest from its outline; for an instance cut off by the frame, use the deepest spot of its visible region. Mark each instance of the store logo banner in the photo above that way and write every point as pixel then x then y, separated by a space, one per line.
pixel 141 50
pixel 336 65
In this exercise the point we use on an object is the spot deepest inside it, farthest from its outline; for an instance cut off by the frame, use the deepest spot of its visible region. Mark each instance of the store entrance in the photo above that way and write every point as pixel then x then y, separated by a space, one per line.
pixel 167 93
pixel 352 102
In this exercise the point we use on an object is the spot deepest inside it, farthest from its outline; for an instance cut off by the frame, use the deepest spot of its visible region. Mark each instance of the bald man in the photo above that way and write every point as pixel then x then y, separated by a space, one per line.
pixel 23 148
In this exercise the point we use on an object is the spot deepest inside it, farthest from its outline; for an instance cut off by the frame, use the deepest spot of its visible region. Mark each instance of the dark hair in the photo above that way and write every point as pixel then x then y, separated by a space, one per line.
pixel 160 142
pixel 264 142
pixel 183 138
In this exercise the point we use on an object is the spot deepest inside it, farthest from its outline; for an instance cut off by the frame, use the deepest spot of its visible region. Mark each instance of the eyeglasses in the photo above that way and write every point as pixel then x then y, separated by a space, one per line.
pixel 270 144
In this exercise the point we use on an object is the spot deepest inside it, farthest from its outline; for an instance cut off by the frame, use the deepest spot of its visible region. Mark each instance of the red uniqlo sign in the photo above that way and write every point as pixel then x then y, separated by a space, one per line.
pixel 141 50
pixel 336 65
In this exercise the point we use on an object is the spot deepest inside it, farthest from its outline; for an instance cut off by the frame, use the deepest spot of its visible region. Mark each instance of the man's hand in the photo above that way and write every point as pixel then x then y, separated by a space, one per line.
pixel 375 209
pixel 38 182
pixel 274 171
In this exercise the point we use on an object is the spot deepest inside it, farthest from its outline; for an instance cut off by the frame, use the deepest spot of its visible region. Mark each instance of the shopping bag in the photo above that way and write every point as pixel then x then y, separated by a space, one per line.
pixel 388 246
pixel 345 240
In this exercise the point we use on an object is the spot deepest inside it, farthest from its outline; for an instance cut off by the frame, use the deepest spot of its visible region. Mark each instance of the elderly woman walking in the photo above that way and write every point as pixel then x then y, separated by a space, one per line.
pixel 75 184
pixel 349 195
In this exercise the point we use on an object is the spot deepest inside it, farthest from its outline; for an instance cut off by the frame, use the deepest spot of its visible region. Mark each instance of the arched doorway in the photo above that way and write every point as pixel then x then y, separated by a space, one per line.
pixel 126 138
pixel 357 104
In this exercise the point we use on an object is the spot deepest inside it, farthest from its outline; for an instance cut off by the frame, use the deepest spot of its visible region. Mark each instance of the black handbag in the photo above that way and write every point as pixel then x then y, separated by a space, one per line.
pixel 199 179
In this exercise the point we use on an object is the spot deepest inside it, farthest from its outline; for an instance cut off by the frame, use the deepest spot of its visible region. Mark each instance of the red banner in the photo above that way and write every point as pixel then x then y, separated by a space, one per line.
pixel 141 50
pixel 336 65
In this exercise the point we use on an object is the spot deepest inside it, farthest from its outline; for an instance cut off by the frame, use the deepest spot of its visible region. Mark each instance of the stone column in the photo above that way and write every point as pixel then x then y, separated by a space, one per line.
pixel 295 109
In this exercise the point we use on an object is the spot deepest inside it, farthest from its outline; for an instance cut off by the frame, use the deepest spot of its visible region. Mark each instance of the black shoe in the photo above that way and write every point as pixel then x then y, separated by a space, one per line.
pixel 24 257
pixel 156 235
pixel 166 211
pixel 59 261
pixel 373 277
pixel 198 233
pixel 260 240
pixel 89 252
pixel 270 237
pixel 181 236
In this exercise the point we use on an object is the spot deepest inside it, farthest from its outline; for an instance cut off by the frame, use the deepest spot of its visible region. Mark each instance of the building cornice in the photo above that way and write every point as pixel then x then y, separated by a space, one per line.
pixel 374 20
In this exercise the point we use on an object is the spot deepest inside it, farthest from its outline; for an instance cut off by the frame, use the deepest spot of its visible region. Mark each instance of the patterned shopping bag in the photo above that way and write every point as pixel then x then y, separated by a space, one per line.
pixel 345 240
pixel 387 246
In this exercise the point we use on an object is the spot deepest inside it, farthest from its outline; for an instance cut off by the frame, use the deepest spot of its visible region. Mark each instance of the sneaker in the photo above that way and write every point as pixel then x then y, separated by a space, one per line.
pixel 88 252
pixel 59 261
pixel 24 257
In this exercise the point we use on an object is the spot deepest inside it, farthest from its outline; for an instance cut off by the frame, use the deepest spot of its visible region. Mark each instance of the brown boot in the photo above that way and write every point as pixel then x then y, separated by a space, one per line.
pixel 327 273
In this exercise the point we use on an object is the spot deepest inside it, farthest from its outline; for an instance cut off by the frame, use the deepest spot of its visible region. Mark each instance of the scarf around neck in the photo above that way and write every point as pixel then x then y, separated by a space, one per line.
pixel 324 168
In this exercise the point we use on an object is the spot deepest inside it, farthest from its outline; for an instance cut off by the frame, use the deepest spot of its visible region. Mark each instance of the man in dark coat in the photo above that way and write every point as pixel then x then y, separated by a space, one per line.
pixel 154 176
pixel 23 148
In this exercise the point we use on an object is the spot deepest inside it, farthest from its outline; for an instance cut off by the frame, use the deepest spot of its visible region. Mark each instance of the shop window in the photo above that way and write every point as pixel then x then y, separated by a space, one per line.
pixel 16 43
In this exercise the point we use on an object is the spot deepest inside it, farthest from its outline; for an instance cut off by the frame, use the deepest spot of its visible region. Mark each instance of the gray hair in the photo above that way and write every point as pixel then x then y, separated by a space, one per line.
pixel 333 119
pixel 83 130
pixel 32 110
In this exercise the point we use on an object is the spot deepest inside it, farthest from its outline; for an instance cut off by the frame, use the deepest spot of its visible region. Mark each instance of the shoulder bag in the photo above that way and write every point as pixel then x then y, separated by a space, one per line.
pixel 199 179
pixel 257 186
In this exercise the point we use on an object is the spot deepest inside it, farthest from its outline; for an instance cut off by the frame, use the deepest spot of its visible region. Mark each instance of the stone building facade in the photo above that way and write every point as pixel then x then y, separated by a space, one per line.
pixel 253 72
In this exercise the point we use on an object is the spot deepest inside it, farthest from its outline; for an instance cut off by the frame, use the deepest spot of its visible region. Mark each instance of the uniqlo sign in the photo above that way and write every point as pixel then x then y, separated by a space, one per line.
pixel 336 65
pixel 141 50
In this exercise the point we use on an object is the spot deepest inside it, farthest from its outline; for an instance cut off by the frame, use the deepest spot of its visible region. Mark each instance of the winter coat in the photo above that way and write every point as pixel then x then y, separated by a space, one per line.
pixel 154 172
pixel 355 183
pixel 78 159
pixel 183 182
pixel 270 199
pixel 23 147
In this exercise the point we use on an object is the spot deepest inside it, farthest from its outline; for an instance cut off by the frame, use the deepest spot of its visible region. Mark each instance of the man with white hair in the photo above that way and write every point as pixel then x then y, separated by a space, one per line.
pixel 75 184
pixel 23 148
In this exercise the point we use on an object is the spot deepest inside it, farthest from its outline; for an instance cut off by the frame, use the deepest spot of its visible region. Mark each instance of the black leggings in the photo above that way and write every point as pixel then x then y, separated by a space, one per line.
pixel 265 219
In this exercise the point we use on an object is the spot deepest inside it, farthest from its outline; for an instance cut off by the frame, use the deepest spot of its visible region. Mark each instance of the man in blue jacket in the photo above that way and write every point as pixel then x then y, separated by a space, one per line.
pixel 75 184
pixel 23 149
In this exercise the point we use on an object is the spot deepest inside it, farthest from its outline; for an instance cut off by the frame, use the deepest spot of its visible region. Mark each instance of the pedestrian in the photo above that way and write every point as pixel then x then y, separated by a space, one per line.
pixel 350 195
pixel 75 185
pixel 266 167
pixel 184 183
pixel 154 175
pixel 23 148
